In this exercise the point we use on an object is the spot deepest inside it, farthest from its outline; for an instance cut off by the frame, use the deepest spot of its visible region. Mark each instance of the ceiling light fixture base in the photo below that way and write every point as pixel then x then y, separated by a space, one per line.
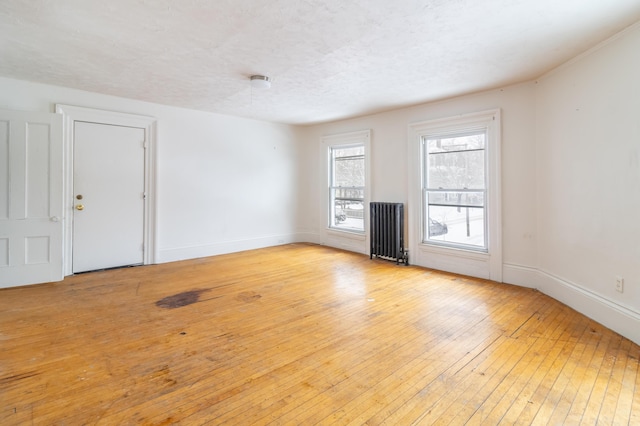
pixel 260 81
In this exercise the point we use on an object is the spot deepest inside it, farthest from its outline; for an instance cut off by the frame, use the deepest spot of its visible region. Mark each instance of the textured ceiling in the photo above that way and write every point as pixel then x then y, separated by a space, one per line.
pixel 328 59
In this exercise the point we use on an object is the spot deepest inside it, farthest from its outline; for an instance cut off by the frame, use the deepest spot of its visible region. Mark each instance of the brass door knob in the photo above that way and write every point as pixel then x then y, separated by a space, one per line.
pixel 79 207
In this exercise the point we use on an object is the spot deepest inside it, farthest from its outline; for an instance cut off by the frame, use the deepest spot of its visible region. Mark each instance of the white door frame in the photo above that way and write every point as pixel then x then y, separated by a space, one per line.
pixel 71 114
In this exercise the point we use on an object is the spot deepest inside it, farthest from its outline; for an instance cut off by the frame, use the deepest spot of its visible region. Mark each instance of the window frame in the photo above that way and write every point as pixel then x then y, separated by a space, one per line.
pixel 427 189
pixel 457 258
pixel 345 140
pixel 333 188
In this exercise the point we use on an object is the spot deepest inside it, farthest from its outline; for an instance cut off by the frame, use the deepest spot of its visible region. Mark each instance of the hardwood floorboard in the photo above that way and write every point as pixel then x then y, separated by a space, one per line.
pixel 628 388
pixel 547 382
pixel 530 372
pixel 414 347
pixel 428 400
pixel 414 397
pixel 504 396
pixel 304 334
pixel 635 405
pixel 584 384
pixel 573 381
pixel 426 393
pixel 391 366
pixel 614 386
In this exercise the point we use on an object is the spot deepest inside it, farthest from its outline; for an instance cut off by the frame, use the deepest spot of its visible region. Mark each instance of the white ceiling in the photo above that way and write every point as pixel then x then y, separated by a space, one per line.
pixel 328 59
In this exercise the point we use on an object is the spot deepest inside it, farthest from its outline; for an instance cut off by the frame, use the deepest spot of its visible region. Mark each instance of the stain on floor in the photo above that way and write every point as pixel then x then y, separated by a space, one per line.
pixel 180 299
pixel 248 296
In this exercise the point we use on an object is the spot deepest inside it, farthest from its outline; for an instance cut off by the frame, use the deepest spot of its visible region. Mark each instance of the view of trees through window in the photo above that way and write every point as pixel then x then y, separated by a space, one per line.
pixel 347 184
pixel 454 189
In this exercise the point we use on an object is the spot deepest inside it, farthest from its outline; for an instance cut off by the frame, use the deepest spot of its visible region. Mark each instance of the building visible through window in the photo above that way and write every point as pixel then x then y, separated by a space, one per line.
pixel 454 190
pixel 347 187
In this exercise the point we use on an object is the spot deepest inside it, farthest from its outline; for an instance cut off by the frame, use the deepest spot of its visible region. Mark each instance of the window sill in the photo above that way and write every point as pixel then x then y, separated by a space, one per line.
pixel 354 235
pixel 453 251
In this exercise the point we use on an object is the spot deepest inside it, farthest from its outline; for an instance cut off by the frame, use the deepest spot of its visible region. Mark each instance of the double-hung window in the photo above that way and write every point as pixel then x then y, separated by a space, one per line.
pixel 454 194
pixel 346 199
pixel 454 189
pixel 347 181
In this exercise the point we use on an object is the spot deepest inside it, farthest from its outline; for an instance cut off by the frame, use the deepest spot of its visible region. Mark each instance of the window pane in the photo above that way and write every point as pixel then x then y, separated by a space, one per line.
pixel 348 151
pixel 347 188
pixel 454 183
pixel 348 166
pixel 463 226
pixel 456 143
pixel 347 210
pixel 456 170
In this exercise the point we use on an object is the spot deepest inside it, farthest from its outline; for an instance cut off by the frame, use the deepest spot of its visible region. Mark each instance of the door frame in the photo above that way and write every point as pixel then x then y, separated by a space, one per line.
pixel 70 115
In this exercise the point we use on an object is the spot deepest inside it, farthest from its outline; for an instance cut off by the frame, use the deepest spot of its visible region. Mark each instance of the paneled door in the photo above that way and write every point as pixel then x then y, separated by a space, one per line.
pixel 108 196
pixel 31 175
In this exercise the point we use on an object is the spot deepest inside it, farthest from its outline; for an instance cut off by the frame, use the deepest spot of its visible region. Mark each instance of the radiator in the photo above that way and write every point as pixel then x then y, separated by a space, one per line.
pixel 387 231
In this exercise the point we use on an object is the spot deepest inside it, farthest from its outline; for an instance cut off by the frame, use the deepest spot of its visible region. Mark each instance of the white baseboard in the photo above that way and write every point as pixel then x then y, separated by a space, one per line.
pixel 193 252
pixel 523 276
pixel 308 237
pixel 619 318
pixel 343 240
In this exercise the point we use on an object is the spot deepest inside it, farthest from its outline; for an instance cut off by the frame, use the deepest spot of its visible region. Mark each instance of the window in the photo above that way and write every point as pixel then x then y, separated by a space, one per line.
pixel 454 194
pixel 347 169
pixel 454 189
pixel 346 199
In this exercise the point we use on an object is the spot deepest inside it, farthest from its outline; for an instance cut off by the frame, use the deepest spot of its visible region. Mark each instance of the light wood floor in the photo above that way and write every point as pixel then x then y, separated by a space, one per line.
pixel 304 334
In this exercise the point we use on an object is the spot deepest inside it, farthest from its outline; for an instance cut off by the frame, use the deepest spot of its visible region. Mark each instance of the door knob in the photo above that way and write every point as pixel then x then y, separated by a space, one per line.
pixel 79 207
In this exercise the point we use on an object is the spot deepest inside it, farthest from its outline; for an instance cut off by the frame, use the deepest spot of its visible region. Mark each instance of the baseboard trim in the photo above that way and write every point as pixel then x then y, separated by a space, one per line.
pixel 520 275
pixel 194 252
pixel 619 318
pixel 308 237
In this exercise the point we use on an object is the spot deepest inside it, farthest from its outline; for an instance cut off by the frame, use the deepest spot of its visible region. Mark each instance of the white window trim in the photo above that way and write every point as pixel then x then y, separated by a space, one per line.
pixel 459 260
pixel 344 238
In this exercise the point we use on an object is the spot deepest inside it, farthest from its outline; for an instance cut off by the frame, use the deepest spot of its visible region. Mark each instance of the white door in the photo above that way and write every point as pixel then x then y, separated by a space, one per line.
pixel 30 198
pixel 108 186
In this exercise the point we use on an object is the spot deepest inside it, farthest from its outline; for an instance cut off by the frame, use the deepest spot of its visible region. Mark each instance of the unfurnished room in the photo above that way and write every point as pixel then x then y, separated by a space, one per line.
pixel 300 212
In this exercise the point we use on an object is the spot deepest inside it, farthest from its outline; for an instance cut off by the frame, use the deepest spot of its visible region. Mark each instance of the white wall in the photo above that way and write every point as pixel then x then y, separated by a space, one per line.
pixel 589 182
pixel 389 162
pixel 224 183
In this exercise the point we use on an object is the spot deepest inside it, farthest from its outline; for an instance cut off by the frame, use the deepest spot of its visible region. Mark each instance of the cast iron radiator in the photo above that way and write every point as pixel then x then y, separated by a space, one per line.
pixel 387 231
